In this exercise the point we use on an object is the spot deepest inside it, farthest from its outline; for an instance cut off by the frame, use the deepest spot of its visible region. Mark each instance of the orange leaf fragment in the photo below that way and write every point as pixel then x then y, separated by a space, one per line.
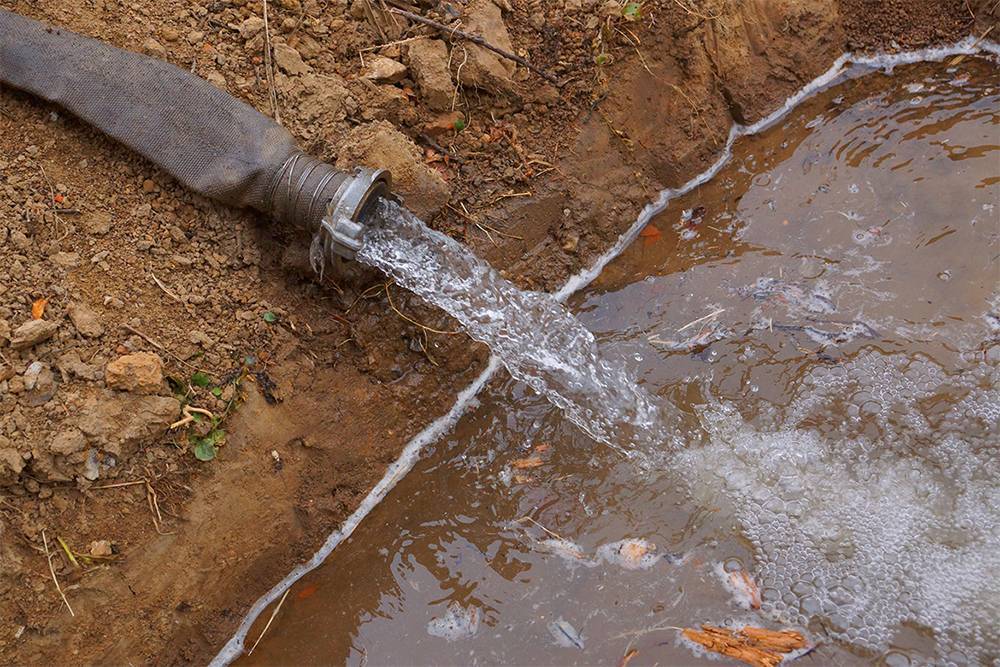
pixel 38 308
pixel 627 658
pixel 744 583
pixel 755 646
pixel 307 592
pixel 530 462
pixel 650 232
pixel 541 448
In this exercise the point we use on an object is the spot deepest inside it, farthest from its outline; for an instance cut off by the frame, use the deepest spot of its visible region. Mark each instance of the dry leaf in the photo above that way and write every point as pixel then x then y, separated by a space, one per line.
pixel 755 646
pixel 541 448
pixel 650 232
pixel 38 308
pixel 627 658
pixel 742 582
pixel 530 462
pixel 307 592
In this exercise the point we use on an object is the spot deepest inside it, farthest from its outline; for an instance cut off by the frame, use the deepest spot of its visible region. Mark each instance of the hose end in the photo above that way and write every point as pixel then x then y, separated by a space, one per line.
pixel 344 222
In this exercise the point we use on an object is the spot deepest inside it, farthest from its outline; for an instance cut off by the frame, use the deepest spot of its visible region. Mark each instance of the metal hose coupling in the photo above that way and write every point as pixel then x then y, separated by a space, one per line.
pixel 344 222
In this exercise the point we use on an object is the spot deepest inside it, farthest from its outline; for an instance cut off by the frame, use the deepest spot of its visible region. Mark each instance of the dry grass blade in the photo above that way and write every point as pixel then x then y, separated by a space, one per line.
pixel 52 571
pixel 269 621
pixel 413 321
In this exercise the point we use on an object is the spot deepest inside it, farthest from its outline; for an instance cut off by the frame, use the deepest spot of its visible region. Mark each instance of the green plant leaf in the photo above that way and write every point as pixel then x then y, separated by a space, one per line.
pixel 459 124
pixel 200 379
pixel 601 59
pixel 205 449
pixel 217 392
pixel 632 11
pixel 270 317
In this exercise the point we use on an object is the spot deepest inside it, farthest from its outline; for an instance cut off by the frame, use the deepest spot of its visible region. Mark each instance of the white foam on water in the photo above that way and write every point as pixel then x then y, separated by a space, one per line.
pixel 396 471
pixel 857 535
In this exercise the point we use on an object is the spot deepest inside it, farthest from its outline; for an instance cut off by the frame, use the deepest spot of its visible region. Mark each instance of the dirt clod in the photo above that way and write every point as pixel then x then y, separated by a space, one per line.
pixel 141 372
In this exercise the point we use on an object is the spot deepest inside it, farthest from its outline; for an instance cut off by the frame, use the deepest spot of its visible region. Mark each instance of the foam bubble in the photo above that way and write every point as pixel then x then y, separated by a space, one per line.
pixel 858 538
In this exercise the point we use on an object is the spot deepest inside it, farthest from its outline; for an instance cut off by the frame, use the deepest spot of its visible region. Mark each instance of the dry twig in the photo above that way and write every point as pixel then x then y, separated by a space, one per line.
pixel 475 39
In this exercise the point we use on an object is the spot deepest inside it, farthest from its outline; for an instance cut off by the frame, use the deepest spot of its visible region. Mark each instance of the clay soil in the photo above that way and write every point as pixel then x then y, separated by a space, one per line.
pixel 317 385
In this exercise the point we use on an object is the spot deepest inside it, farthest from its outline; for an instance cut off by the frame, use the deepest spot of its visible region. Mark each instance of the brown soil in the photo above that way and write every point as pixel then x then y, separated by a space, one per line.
pixel 320 398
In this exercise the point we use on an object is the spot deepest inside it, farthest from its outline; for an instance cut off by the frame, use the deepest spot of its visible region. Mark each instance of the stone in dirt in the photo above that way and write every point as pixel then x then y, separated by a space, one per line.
pixel 385 70
pixel 120 423
pixel 86 321
pixel 39 384
pixel 32 333
pixel 11 463
pixel 429 64
pixel 289 60
pixel 381 145
pixel 141 372
pixel 485 69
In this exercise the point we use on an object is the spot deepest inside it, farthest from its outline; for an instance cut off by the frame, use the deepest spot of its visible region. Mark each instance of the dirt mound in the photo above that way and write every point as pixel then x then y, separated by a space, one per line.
pixel 128 305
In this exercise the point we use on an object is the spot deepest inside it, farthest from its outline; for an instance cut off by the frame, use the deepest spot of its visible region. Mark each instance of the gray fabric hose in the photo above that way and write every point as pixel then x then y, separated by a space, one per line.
pixel 207 139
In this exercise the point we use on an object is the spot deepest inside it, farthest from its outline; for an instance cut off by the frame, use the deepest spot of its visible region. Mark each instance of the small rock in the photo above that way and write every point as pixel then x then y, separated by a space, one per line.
pixel 148 186
pixel 154 48
pixel 250 27
pixel 216 78
pixel 11 463
pixel 429 64
pixel 120 423
pixel 68 442
pixel 289 60
pixel 39 383
pixel 571 241
pixel 141 372
pixel 66 260
pixel 86 321
pixel 97 224
pixel 32 333
pixel 195 36
pixel 485 69
pixel 170 34
pixel 385 70
pixel 101 548
pixel 70 365
pixel 4 330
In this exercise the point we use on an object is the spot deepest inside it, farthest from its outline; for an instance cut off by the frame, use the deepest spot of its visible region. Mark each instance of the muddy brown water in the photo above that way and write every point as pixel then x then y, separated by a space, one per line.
pixel 825 313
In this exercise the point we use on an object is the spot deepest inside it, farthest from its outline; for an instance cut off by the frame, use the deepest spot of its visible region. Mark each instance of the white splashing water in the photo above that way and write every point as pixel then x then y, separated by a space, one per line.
pixel 539 342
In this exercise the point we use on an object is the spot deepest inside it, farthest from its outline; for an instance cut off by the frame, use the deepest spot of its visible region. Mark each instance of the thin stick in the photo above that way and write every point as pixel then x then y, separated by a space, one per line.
pixel 119 484
pixel 701 319
pixel 166 290
pixel 158 346
pixel 550 532
pixel 273 614
pixel 475 39
pixel 52 571
pixel 269 69
pixel 412 321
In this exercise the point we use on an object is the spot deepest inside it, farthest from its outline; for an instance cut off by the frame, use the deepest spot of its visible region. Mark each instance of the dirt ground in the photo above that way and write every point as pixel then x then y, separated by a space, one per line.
pixel 148 300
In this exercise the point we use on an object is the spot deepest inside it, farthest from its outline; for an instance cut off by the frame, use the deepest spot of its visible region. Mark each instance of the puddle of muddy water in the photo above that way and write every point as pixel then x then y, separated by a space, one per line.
pixel 825 314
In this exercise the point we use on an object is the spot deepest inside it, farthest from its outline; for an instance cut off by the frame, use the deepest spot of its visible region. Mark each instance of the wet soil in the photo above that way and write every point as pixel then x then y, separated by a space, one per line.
pixel 322 384
pixel 859 233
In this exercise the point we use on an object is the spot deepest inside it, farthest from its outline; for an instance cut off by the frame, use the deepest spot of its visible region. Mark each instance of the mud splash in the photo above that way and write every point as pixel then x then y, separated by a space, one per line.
pixel 534 421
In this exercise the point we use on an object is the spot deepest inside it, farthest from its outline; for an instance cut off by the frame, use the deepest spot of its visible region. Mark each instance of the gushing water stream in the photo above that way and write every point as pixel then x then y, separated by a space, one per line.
pixel 534 336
